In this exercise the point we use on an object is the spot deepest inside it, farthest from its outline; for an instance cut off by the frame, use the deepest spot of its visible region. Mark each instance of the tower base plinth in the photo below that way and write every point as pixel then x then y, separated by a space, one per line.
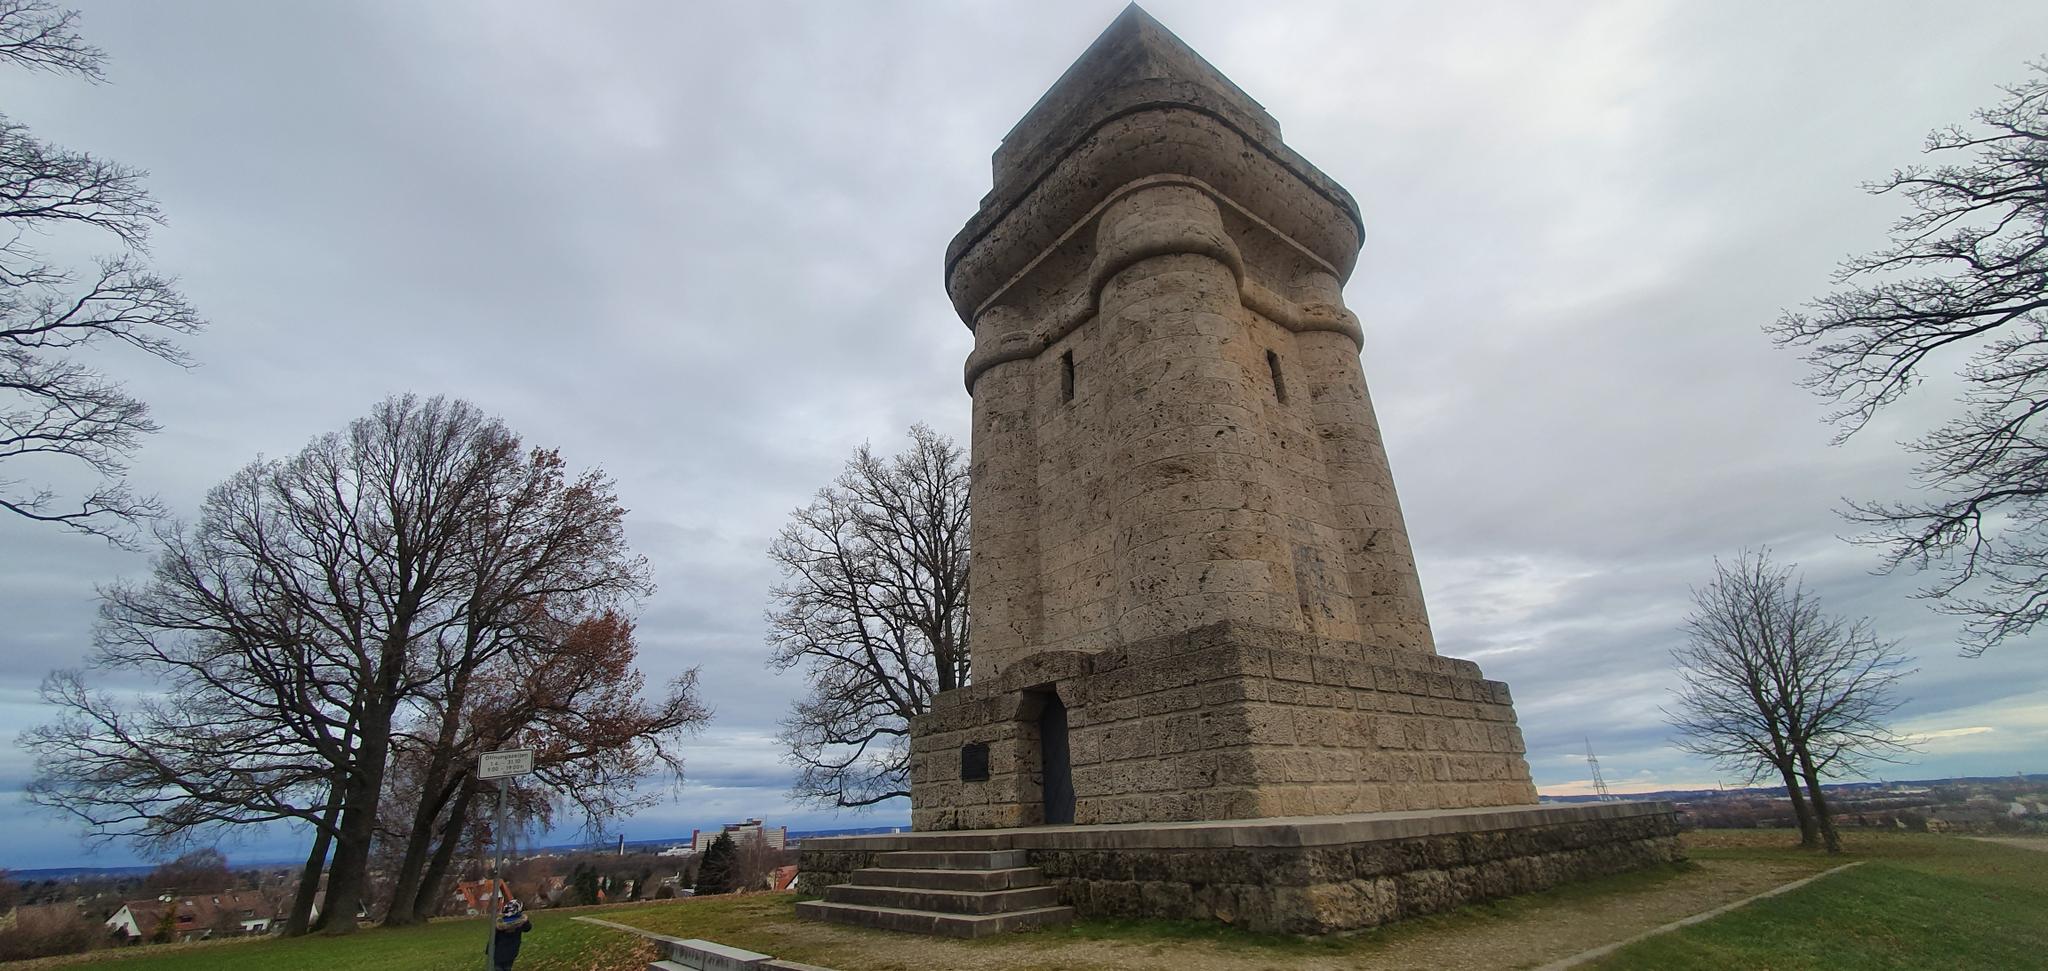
pixel 1298 875
pixel 1228 721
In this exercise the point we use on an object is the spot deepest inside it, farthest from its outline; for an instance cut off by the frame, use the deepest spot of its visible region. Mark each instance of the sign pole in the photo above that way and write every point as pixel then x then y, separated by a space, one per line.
pixel 497 876
pixel 502 766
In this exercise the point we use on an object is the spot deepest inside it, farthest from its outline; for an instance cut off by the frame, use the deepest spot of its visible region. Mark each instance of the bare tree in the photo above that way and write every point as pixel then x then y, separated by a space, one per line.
pixel 292 628
pixel 753 863
pixel 200 871
pixel 1964 284
pixel 1838 681
pixel 873 608
pixel 1769 682
pixel 56 411
pixel 35 34
pixel 1724 710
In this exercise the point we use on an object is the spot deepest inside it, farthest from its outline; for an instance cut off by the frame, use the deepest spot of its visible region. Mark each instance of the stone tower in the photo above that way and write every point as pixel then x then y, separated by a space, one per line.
pixel 1171 426
pixel 1194 596
pixel 1195 611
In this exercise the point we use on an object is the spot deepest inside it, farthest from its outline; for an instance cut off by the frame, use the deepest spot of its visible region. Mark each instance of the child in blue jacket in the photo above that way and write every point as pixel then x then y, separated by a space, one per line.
pixel 510 926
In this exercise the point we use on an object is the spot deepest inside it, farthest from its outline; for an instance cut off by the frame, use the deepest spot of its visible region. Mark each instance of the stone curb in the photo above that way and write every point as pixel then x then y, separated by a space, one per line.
pixel 692 954
pixel 1585 957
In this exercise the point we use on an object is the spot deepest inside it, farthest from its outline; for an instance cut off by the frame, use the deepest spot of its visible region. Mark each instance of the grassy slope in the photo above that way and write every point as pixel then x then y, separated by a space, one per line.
pixel 764 922
pixel 1918 902
pixel 555 944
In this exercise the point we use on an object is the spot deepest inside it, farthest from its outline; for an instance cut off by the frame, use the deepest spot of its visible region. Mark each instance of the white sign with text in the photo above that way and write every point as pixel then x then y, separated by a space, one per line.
pixel 509 762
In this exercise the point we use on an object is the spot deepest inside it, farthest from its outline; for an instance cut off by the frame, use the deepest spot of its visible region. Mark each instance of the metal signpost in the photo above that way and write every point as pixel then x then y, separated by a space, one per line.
pixel 502 766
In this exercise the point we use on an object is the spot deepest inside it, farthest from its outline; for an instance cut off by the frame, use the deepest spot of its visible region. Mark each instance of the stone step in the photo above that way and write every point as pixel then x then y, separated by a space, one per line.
pixel 952 860
pixel 1023 876
pixel 946 901
pixel 932 922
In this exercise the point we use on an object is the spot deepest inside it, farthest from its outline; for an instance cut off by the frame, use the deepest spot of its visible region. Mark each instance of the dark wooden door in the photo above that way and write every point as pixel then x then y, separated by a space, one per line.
pixel 1059 769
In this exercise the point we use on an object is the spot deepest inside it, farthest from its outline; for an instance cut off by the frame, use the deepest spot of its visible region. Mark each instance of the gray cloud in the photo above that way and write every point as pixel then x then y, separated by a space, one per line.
pixel 700 247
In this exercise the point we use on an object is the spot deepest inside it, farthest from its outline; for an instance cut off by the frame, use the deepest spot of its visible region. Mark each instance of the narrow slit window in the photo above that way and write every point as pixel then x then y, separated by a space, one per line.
pixel 1279 383
pixel 1067 376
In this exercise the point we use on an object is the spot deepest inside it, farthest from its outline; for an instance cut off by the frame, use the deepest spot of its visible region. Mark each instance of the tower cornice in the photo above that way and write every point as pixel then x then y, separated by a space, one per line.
pixel 1140 103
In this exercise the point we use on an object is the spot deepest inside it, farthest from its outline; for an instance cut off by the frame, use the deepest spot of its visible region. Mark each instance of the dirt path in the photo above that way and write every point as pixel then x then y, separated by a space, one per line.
pixel 1587 957
pixel 2035 843
pixel 1521 936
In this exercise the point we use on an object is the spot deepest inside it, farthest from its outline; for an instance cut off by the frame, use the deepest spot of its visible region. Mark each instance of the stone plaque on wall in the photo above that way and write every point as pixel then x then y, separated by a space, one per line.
pixel 974 762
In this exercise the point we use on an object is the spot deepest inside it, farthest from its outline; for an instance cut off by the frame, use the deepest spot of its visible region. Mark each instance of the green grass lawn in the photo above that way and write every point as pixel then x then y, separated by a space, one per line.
pixel 1917 902
pixel 555 944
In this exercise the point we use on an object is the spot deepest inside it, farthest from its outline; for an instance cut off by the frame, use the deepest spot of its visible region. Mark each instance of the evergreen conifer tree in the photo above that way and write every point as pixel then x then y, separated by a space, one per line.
pixel 714 875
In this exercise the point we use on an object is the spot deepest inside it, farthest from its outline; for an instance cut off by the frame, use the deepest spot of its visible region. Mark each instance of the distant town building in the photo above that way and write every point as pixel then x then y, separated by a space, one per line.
pixel 473 897
pixel 194 918
pixel 777 838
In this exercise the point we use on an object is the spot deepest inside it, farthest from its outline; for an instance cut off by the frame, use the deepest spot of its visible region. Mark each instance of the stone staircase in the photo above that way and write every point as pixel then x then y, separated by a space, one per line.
pixel 954 894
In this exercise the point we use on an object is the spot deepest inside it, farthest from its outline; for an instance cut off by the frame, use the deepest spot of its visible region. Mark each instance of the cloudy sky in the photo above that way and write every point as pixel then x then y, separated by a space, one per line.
pixel 699 245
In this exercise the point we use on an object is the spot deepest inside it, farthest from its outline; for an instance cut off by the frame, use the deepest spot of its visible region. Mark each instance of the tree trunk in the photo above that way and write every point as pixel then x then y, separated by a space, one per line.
pixel 1809 833
pixel 945 659
pixel 348 877
pixel 1820 803
pixel 301 918
pixel 427 900
pixel 435 789
pixel 1782 749
pixel 419 843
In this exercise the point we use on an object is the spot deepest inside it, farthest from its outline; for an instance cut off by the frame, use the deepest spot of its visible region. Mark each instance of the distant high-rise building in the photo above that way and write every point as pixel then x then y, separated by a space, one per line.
pixel 776 838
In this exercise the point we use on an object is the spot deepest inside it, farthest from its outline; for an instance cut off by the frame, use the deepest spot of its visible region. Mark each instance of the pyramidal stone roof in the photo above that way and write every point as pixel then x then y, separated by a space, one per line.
pixel 1112 76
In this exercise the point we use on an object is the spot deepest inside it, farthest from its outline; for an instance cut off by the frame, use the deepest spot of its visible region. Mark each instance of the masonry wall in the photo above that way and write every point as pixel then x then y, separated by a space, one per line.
pixel 1228 721
pixel 1311 878
pixel 1172 428
pixel 1341 887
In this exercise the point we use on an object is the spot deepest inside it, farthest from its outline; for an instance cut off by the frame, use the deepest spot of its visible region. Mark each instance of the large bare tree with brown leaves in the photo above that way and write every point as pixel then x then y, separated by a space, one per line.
pixel 567 689
pixel 318 607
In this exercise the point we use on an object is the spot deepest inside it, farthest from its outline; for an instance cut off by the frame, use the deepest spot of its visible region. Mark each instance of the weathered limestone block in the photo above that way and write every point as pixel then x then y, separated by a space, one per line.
pixel 819 867
pixel 1225 721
